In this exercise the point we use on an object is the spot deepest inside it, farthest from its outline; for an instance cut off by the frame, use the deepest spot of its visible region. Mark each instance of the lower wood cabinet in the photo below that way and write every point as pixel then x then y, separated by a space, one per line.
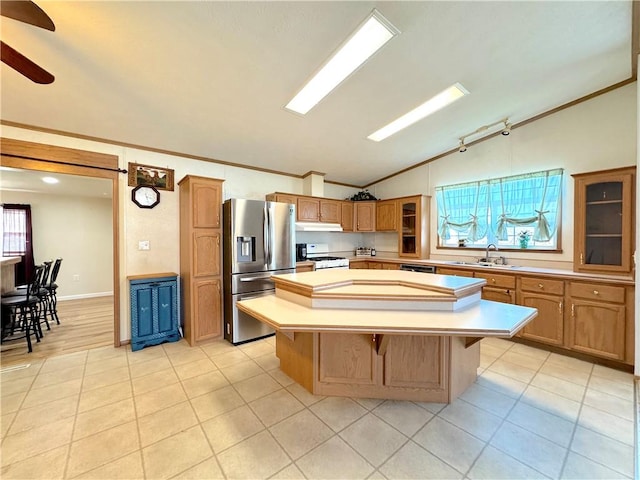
pixel 154 309
pixel 499 288
pixel 547 296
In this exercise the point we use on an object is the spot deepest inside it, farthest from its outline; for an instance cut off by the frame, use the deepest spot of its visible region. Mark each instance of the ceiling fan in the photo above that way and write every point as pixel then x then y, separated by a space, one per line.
pixel 28 12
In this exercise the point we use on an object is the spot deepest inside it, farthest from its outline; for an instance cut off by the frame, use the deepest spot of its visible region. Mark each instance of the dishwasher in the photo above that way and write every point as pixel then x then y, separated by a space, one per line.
pixel 418 268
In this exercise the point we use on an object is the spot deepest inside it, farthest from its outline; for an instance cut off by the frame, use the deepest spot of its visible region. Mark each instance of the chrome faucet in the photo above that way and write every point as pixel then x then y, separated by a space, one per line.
pixel 486 255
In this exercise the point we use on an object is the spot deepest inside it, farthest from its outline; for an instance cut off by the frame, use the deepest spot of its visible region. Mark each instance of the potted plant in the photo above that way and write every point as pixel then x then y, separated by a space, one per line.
pixel 524 237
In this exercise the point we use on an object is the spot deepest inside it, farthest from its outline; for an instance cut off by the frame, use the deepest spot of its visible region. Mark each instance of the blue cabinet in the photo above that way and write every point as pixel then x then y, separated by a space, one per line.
pixel 154 309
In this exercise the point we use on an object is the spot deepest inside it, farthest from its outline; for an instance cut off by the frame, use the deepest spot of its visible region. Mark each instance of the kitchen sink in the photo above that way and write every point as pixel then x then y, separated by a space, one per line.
pixel 482 264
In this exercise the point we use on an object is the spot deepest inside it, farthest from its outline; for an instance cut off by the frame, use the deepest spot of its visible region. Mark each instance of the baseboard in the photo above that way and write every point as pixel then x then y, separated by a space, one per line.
pixel 85 295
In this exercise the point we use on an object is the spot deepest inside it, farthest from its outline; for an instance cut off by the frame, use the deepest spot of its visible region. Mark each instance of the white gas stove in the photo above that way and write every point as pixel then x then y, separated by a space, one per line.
pixel 318 253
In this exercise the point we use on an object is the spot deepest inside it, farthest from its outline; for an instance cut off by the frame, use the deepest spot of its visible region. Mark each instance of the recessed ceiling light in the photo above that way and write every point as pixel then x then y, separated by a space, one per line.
pixel 441 100
pixel 368 38
pixel 50 180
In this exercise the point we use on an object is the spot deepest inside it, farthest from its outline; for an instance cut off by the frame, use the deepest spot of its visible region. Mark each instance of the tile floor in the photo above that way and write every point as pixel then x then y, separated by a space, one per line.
pixel 219 411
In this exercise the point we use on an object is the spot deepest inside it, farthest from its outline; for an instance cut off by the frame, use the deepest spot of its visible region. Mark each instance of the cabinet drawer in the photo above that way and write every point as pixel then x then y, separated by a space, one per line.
pixel 595 291
pixel 542 285
pixel 493 280
pixel 454 272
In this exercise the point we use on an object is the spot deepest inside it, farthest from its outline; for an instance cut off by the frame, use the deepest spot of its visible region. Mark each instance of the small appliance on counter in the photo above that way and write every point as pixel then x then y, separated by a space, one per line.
pixel 365 252
pixel 318 253
pixel 301 252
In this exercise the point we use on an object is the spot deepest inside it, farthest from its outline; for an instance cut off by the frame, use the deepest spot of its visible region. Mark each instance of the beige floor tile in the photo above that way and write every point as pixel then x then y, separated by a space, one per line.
pixel 229 358
pixel 485 362
pixel 107 364
pixel 217 402
pixel 490 351
pixel 611 425
pixel 241 371
pixel 167 422
pixel 345 461
pixel 498 343
pixel 102 396
pixel 217 348
pixel 40 396
pixel 145 355
pixel 154 381
pixel 275 407
pixel 580 377
pixel 257 387
pixel 609 403
pixel 434 408
pixel 529 351
pixel 303 394
pixel 36 440
pixel 185 355
pixel 257 349
pixel 603 450
pixel 512 370
pixel 63 362
pixel 19 385
pixel 105 353
pixel 257 457
pixel 471 419
pixel 406 417
pixel 104 379
pixel 33 417
pixel 104 418
pixel 551 427
pixel 578 467
pixel 11 403
pixel 196 386
pixel 612 374
pixel 140 369
pixel 449 443
pixel 412 461
pixel 623 390
pixel 289 473
pixel 193 369
pixel 532 450
pixel 550 402
pixel 337 412
pixel 281 377
pixel 558 386
pixel 159 399
pixel 268 362
pixel 15 372
pixel 300 433
pixel 494 464
pixel 501 384
pixel 372 438
pixel 104 447
pixel 227 430
pixel 5 423
pixel 46 466
pixel 528 361
pixel 570 362
pixel 209 469
pixel 124 468
pixel 162 461
pixel 368 403
pixel 488 399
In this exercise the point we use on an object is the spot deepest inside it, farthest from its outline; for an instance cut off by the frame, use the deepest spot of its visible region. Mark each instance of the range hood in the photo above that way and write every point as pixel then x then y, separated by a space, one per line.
pixel 318 227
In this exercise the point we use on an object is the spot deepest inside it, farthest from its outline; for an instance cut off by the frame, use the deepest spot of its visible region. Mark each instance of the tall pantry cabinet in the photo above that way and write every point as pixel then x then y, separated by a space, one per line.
pixel 200 254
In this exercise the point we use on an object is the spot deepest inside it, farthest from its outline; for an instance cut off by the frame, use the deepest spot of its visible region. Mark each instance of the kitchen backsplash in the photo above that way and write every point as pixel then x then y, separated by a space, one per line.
pixel 346 242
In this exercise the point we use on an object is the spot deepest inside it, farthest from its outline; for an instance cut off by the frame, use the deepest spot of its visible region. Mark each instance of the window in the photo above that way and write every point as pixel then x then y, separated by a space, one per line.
pixel 14 232
pixel 502 211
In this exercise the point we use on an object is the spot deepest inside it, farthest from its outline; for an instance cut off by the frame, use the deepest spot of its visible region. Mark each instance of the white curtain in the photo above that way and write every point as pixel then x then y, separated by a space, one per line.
pixel 463 208
pixel 14 232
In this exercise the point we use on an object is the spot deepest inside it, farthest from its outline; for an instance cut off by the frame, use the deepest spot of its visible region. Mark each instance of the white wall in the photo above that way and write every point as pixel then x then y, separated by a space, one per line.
pixel 594 135
pixel 78 230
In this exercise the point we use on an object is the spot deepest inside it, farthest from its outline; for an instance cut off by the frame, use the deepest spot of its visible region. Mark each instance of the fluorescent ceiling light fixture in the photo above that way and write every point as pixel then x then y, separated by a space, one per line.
pixel 370 36
pixel 50 180
pixel 441 100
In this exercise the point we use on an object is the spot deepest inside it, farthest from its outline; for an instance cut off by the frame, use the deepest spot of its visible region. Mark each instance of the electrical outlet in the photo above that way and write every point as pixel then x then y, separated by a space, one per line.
pixel 76 278
pixel 144 245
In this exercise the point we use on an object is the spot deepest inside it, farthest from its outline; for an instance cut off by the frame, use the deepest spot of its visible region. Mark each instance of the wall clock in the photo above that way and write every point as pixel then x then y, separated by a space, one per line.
pixel 145 196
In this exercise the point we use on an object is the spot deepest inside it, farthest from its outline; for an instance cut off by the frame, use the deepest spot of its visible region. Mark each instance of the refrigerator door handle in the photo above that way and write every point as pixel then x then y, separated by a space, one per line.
pixel 267 237
pixel 252 279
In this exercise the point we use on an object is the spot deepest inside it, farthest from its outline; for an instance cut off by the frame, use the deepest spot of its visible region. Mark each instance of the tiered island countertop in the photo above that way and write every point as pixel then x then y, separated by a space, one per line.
pixel 382 334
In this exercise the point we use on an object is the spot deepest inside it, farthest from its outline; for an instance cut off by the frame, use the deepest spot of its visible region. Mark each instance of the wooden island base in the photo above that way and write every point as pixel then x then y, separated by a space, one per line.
pixel 425 368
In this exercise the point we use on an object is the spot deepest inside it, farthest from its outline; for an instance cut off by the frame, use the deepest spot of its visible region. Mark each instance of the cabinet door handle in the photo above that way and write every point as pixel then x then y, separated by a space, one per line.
pixel 493 280
pixel 573 310
pixel 596 292
pixel 581 259
pixel 560 307
pixel 217 241
pixel 541 286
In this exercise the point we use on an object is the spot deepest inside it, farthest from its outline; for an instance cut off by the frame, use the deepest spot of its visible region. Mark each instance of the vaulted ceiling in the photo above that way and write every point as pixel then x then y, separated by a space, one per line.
pixel 210 79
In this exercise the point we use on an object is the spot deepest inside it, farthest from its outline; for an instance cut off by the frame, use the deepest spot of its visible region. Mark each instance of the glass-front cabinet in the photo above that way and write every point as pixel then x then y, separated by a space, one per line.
pixel 413 238
pixel 604 221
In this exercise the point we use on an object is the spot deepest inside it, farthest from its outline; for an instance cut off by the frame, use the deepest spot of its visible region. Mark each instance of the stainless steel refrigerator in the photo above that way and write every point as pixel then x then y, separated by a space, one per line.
pixel 259 241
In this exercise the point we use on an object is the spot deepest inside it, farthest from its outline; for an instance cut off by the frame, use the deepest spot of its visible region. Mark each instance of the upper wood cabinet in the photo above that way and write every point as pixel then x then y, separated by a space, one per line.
pixel 413 238
pixel 330 211
pixel 311 209
pixel 282 198
pixel 347 216
pixel 604 221
pixel 387 216
pixel 200 253
pixel 308 209
pixel 364 216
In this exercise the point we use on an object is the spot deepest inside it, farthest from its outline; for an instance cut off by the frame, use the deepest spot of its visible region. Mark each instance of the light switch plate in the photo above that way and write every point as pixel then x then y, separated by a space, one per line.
pixel 144 245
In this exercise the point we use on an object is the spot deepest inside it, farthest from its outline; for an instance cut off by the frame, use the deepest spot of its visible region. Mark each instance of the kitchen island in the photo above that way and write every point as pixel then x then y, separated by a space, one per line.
pixel 383 334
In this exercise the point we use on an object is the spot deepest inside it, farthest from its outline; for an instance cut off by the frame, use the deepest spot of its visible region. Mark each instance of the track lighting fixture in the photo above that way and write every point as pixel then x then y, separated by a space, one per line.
pixel 506 130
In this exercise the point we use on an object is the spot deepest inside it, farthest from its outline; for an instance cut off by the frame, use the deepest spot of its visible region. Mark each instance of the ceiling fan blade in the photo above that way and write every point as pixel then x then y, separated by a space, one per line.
pixel 23 65
pixel 28 12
